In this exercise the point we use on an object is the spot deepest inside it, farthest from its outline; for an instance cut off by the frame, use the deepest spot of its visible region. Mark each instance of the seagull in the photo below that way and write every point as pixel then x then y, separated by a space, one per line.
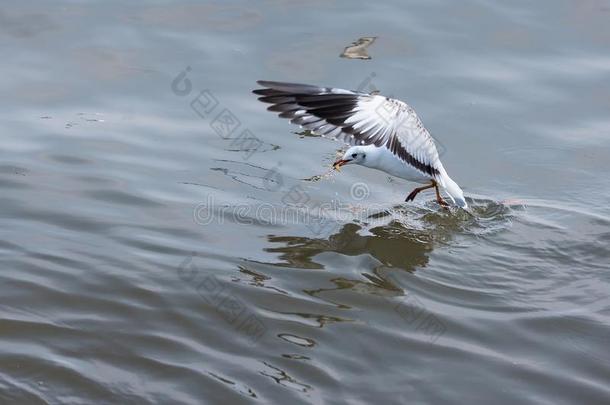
pixel 383 133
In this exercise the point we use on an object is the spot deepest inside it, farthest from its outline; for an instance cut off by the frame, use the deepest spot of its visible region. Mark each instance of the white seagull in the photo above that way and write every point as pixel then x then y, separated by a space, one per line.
pixel 383 133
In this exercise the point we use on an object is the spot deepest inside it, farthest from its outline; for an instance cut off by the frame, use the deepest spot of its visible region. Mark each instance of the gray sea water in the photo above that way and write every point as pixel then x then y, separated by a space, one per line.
pixel 164 239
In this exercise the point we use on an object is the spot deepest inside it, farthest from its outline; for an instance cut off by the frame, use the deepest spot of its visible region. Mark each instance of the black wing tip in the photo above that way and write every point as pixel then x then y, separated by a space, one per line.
pixel 267 87
pixel 287 87
pixel 271 87
pixel 271 84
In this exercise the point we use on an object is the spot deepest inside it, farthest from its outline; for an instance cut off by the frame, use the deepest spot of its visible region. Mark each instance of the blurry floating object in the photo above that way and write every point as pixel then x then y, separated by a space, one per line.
pixel 357 50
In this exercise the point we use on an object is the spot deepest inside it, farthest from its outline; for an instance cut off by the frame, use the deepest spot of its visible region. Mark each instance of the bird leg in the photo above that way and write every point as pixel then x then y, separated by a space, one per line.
pixel 411 196
pixel 439 199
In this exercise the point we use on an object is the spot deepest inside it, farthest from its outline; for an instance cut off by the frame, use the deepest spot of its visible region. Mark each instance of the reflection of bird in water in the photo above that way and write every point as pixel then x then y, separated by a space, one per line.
pixel 384 133
pixel 392 245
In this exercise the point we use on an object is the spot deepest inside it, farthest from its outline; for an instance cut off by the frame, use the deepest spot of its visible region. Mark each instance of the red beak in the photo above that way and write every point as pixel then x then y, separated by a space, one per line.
pixel 340 162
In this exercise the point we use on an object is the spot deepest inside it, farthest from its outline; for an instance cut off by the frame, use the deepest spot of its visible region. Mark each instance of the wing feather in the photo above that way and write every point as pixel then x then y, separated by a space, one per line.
pixel 355 118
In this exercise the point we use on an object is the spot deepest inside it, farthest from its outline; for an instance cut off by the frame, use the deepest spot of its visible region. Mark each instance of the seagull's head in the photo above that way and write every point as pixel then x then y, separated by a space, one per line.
pixel 355 154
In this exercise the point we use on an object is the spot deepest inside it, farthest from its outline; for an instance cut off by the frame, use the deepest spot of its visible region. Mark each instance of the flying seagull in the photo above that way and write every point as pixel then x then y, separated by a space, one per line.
pixel 383 133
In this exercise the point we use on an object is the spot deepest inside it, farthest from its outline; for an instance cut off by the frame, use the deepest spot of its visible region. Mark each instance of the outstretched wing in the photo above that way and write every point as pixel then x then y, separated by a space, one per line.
pixel 356 118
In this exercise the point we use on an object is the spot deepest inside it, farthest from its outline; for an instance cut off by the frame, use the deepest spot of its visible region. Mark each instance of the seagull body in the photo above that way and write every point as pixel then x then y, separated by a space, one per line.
pixel 383 133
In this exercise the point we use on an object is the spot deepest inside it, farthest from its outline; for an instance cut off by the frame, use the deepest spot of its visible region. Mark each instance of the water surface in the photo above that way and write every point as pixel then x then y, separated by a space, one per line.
pixel 155 245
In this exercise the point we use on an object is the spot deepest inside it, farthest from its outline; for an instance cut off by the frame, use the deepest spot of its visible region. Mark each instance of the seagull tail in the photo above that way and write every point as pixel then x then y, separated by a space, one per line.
pixel 455 192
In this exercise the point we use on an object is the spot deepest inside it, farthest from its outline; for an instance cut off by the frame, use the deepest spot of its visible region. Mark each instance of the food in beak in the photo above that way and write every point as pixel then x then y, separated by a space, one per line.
pixel 339 163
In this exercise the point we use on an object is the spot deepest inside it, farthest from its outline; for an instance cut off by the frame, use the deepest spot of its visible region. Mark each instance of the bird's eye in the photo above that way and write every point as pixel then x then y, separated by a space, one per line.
pixel 363 155
pixel 354 155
